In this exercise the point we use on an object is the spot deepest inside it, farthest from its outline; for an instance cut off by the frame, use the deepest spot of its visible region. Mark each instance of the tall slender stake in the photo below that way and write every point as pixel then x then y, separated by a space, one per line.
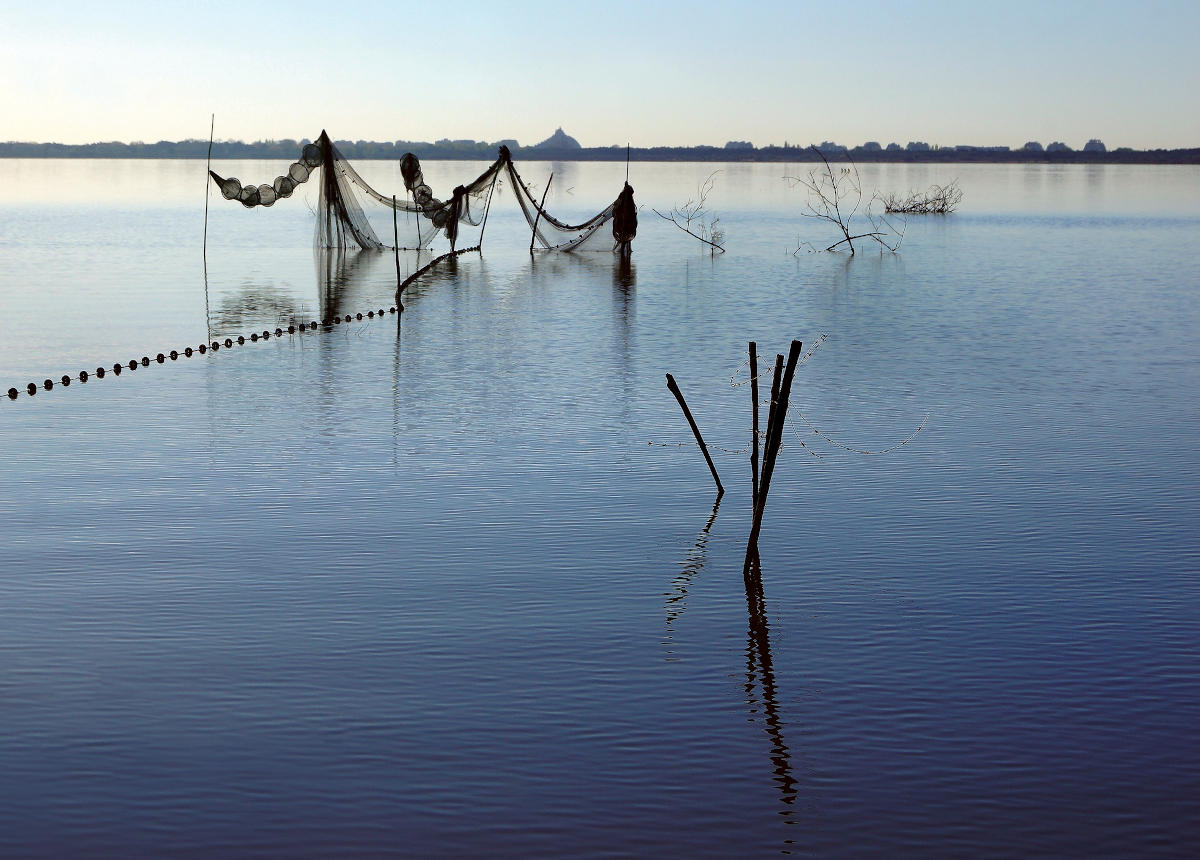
pixel 539 214
pixel 207 181
pixel 396 248
pixel 754 437
pixel 204 252
pixel 687 413
pixel 626 163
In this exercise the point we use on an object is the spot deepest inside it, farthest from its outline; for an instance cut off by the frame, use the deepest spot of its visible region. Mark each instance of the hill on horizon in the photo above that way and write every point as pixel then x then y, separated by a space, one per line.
pixel 558 140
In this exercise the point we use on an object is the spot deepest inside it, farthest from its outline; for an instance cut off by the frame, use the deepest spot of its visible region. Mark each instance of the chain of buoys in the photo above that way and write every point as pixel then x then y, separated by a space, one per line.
pixel 203 348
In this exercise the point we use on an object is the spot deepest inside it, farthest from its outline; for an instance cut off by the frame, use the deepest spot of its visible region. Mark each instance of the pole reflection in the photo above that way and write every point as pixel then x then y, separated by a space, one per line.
pixel 760 686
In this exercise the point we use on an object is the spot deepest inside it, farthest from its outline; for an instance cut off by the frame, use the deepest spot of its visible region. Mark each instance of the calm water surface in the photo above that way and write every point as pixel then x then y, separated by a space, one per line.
pixel 448 585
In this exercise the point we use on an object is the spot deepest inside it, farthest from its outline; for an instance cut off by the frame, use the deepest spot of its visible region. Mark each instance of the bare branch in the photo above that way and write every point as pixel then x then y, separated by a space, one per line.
pixel 836 199
pixel 696 210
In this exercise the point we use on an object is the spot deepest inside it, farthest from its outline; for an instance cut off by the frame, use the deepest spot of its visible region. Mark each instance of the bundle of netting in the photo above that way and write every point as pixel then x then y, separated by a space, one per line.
pixel 467 204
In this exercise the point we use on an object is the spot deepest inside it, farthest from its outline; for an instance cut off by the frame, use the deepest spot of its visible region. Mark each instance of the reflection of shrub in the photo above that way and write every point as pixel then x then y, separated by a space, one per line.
pixel 937 200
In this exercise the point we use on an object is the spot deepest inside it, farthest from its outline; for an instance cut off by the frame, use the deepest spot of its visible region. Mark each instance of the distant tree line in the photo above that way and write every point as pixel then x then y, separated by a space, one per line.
pixel 363 150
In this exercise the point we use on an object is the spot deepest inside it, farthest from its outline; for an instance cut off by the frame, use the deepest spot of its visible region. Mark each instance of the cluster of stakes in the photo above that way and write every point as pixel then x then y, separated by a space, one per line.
pixel 173 355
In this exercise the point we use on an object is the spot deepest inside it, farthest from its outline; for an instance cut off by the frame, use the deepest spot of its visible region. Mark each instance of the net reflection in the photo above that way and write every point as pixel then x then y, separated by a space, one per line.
pixel 341 276
pixel 760 686
pixel 252 307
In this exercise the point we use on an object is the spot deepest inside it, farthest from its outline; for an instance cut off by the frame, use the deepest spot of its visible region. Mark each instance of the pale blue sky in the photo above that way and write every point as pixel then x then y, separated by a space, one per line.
pixel 607 72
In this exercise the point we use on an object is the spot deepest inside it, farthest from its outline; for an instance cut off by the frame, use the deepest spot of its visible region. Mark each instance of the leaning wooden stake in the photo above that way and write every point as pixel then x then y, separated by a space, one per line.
pixel 486 210
pixel 687 413
pixel 539 213
pixel 754 437
pixel 780 391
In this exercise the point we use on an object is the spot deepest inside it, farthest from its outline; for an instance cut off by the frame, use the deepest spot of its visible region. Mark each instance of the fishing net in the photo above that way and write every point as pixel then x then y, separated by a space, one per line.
pixel 556 235
pixel 341 220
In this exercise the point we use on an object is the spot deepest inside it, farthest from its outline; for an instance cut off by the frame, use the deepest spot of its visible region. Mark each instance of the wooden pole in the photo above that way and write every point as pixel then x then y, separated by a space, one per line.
pixel 687 413
pixel 767 441
pixel 779 404
pixel 754 437
pixel 539 214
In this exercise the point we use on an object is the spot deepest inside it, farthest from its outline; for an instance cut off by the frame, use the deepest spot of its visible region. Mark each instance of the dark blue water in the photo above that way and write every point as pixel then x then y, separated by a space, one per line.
pixel 446 583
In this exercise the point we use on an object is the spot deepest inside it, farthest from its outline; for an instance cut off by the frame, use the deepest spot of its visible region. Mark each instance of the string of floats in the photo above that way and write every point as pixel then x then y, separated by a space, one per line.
pixel 83 376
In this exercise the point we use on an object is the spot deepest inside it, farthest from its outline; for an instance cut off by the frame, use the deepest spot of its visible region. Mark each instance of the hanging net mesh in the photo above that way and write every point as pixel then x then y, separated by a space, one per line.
pixel 341 221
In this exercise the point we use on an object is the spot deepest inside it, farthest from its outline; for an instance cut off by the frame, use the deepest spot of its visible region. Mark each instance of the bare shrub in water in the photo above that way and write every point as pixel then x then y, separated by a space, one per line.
pixel 693 213
pixel 936 200
pixel 837 197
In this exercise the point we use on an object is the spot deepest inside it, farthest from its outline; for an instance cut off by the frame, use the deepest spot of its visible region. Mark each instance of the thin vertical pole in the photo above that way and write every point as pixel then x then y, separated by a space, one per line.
pixel 627 163
pixel 204 252
pixel 539 213
pixel 754 438
pixel 396 247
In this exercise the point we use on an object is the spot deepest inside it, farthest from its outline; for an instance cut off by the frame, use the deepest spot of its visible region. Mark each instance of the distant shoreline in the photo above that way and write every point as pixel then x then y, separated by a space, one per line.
pixel 288 150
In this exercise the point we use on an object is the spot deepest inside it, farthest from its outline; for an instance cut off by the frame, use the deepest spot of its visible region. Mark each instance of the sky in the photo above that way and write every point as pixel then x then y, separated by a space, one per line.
pixel 650 74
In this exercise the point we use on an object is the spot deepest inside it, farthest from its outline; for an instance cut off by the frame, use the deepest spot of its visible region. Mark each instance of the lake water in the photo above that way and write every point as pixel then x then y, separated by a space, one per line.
pixel 451 583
